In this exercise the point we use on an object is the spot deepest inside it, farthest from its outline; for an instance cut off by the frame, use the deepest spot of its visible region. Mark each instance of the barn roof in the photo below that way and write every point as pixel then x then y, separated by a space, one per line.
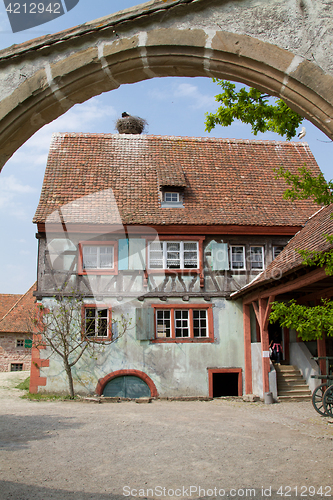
pixel 311 238
pixel 101 178
pixel 16 318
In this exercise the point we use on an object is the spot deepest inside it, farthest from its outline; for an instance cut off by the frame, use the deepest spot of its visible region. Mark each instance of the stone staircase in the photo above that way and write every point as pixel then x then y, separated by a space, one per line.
pixel 290 384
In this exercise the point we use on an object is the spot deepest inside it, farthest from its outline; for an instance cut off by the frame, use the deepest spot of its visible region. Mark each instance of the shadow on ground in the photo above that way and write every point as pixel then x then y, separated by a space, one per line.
pixel 17 431
pixel 20 491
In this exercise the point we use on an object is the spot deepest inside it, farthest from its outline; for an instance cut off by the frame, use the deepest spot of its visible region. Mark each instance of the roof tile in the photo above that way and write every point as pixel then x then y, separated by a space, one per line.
pixel 227 181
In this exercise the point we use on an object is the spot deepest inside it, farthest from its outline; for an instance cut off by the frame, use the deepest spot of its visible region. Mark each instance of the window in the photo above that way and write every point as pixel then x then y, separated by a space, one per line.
pixel 19 343
pixel 97 322
pixel 97 257
pixel 173 255
pixel 257 258
pixel 237 257
pixel 276 251
pixel 16 367
pixel 171 197
pixel 180 324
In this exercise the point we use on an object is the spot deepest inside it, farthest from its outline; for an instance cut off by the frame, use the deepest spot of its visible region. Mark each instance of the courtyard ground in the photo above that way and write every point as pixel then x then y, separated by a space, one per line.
pixel 67 450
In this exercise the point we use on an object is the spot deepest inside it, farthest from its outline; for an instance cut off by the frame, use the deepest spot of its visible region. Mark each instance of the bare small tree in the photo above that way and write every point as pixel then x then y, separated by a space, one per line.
pixel 63 328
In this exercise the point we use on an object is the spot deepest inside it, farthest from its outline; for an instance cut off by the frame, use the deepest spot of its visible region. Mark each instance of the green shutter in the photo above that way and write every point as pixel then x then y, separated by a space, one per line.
pixel 28 343
pixel 122 255
pixel 114 330
pixel 137 254
pixel 144 323
pixel 220 257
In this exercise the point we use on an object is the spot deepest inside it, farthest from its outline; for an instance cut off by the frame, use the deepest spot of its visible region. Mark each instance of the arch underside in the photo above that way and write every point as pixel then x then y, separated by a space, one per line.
pixel 62 81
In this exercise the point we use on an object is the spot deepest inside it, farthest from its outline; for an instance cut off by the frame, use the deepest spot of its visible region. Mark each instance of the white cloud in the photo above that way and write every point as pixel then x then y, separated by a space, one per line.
pixel 13 196
pixel 194 98
pixel 81 118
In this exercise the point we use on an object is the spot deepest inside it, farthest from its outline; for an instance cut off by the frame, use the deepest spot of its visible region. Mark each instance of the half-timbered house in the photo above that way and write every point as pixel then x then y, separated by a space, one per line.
pixel 163 229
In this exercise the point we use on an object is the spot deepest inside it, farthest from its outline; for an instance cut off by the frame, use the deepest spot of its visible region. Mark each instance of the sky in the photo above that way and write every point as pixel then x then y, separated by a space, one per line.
pixel 171 106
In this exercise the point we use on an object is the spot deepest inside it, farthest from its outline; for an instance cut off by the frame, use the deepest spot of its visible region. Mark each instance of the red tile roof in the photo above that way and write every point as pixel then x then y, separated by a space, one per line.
pixel 16 318
pixel 310 238
pixel 7 301
pixel 228 181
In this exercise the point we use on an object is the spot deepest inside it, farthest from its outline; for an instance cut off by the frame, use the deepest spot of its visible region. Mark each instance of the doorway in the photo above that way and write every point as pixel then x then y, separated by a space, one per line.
pixel 225 382
pixel 127 386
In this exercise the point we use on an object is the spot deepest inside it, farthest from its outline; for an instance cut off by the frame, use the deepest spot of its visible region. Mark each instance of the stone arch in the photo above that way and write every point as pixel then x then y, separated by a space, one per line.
pixel 40 80
pixel 120 373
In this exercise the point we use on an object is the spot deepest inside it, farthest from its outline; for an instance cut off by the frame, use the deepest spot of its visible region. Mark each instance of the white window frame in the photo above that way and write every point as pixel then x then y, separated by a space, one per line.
pixel 231 259
pixel 172 193
pixel 262 258
pixel 277 246
pixel 172 323
pixel 98 265
pixel 108 319
pixel 21 342
pixel 165 250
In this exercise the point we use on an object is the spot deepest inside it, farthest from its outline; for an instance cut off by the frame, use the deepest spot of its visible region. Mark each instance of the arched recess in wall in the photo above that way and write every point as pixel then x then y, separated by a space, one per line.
pixel 70 71
pixel 126 373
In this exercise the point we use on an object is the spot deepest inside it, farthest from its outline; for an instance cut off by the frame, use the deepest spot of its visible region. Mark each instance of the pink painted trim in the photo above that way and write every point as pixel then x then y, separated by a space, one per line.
pixel 119 373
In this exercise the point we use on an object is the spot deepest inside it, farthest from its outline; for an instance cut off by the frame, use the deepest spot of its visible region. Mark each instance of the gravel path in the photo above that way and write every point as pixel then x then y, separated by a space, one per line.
pixel 111 451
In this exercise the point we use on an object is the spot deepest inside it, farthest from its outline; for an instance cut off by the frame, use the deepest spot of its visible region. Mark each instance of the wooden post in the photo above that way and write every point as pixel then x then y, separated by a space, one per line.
pixel 286 344
pixel 321 347
pixel 264 345
pixel 247 349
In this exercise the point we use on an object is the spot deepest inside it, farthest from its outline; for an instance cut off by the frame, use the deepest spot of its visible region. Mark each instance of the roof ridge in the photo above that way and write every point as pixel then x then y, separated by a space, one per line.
pixel 16 303
pixel 177 137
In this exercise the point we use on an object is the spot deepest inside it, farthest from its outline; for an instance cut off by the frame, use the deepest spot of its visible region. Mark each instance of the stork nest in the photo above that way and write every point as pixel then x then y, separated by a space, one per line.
pixel 131 125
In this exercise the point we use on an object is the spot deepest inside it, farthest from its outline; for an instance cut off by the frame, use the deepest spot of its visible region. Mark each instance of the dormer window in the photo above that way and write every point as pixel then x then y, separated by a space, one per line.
pixel 171 197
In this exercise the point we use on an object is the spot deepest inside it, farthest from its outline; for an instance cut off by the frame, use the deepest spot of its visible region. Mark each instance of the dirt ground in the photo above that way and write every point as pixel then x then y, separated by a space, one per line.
pixel 111 451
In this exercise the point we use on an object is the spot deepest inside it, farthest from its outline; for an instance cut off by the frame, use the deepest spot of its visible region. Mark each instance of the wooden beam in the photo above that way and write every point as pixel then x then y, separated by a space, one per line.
pixel 320 294
pixel 290 286
pixel 256 311
pixel 268 311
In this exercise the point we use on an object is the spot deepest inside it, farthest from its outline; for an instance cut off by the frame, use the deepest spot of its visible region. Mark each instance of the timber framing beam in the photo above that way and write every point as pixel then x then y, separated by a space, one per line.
pixel 300 282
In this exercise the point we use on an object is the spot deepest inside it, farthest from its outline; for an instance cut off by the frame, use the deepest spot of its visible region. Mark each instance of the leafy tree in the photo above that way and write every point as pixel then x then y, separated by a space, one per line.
pixel 304 185
pixel 310 322
pixel 253 107
pixel 60 328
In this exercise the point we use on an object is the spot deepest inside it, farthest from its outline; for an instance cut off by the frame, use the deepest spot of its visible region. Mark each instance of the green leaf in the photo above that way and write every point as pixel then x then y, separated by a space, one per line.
pixel 254 108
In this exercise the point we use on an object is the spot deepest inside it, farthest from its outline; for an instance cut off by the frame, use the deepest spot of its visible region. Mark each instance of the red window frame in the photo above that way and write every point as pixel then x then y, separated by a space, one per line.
pixel 114 270
pixel 191 338
pixel 83 316
pixel 198 270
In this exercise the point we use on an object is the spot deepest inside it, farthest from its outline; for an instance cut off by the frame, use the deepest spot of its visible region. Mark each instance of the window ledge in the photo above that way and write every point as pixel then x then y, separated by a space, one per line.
pixel 166 204
pixel 206 340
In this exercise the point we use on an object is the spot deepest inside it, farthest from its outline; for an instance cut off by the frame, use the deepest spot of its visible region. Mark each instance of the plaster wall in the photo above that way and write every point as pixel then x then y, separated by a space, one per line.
pixel 283 47
pixel 177 369
pixel 256 356
pixel 300 356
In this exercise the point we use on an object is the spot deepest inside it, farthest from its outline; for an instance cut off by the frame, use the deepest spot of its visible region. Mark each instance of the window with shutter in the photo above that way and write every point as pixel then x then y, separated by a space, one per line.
pixel 220 257
pixel 144 323
pixel 176 323
pixel 173 255
pixel 97 322
pixel 98 257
